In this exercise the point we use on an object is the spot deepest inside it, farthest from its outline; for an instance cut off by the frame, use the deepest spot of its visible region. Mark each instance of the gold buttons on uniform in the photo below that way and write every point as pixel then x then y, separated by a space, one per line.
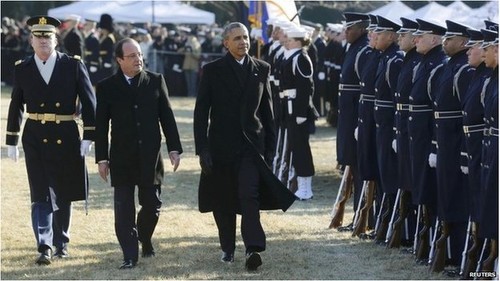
pixel 45 141
pixel 58 121
pixel 58 104
pixel 43 121
pixel 59 141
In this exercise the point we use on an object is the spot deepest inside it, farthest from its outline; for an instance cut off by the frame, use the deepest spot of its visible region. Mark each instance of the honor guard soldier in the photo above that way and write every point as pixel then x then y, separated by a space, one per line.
pixel 473 127
pixel 451 182
pixel 319 73
pixel 91 50
pixel 334 53
pixel 421 127
pixel 298 86
pixel 387 73
pixel 106 47
pixel 365 65
pixel 48 83
pixel 348 99
pixel 73 42
pixel 489 182
pixel 400 144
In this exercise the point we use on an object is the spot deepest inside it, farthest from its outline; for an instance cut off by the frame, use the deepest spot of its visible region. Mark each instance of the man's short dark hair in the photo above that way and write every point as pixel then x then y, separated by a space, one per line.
pixel 119 46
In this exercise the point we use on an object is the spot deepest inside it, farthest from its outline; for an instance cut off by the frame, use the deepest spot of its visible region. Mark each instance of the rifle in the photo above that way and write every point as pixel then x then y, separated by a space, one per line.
pixel 363 216
pixel 466 246
pixel 478 267
pixel 415 236
pixel 356 214
pixel 488 263
pixel 291 182
pixel 339 206
pixel 472 252
pixel 377 223
pixel 284 151
pixel 277 152
pixel 439 258
pixel 382 228
pixel 394 240
pixel 396 207
pixel 423 236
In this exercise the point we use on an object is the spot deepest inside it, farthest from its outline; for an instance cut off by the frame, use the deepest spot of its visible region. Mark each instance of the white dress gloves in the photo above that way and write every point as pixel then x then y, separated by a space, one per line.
pixel 432 160
pixel 13 152
pixel 85 147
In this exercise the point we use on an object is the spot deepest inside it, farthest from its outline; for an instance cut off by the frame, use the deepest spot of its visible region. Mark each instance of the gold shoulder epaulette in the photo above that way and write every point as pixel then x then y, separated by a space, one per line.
pixel 77 57
pixel 18 62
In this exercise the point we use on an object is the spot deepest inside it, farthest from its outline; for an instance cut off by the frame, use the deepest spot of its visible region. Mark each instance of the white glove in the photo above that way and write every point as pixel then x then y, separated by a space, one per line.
pixel 321 76
pixel 13 152
pixel 93 69
pixel 432 160
pixel 107 65
pixel 300 120
pixel 465 170
pixel 85 147
pixel 356 133
pixel 394 146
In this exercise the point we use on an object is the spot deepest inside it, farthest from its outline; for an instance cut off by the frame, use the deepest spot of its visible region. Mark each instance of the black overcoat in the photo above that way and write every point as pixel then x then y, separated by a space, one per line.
pixel 240 113
pixel 136 112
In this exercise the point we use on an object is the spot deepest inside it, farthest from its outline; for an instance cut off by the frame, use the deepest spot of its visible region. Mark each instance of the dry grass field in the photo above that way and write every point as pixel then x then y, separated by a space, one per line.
pixel 300 245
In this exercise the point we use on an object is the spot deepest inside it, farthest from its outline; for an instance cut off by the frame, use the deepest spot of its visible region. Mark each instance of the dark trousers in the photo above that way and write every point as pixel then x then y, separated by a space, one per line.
pixel 126 229
pixel 252 232
pixel 51 223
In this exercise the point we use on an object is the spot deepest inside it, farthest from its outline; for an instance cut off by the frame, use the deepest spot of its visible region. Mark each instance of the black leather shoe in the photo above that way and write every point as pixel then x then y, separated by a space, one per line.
pixel 128 264
pixel 45 257
pixel 147 250
pixel 227 257
pixel 253 261
pixel 347 228
pixel 61 252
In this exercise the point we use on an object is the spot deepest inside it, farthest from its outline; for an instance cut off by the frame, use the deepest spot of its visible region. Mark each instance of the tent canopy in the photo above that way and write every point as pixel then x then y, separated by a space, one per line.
pixel 136 11
pixel 393 11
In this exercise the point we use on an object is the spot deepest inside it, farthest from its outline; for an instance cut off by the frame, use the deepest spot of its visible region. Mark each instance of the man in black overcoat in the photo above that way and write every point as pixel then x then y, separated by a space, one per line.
pixel 136 102
pixel 236 148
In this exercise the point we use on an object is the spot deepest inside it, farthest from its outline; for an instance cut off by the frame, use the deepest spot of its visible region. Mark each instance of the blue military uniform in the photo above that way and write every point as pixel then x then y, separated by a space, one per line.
pixel 451 182
pixel 421 127
pixel 92 57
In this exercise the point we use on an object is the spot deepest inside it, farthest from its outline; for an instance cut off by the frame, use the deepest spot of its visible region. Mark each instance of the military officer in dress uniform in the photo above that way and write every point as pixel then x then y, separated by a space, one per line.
pixel 298 86
pixel 473 126
pixel 106 47
pixel 348 99
pixel 91 50
pixel 451 182
pixel 388 69
pixel 48 83
pixel 400 144
pixel 365 65
pixel 333 57
pixel 421 127
pixel 489 181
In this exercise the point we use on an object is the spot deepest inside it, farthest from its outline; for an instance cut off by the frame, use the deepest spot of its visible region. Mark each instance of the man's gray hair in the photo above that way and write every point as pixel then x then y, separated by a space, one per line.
pixel 230 26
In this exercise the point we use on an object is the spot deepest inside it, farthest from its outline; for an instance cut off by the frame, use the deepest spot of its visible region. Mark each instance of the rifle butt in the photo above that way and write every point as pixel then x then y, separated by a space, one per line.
pixel 423 244
pixel 438 261
pixel 338 218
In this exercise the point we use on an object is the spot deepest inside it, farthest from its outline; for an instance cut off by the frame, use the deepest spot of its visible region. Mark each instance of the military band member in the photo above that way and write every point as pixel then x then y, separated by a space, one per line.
pixel 421 127
pixel 348 99
pixel 298 86
pixel 48 84
pixel 388 69
pixel 406 42
pixel 451 182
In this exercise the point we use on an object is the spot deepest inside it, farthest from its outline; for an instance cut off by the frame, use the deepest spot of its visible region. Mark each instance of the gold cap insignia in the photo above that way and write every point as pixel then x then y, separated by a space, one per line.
pixel 42 21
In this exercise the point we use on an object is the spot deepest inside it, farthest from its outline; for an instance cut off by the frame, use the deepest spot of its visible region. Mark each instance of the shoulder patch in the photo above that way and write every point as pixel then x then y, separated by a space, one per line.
pixel 18 62
pixel 77 57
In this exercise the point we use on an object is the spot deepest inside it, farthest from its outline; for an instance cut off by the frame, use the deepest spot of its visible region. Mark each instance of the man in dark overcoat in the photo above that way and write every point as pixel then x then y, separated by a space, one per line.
pixel 136 102
pixel 235 96
pixel 49 83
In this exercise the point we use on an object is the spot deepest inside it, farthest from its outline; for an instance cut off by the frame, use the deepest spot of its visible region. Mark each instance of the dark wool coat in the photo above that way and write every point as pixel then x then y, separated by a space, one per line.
pixel 241 118
pixel 136 112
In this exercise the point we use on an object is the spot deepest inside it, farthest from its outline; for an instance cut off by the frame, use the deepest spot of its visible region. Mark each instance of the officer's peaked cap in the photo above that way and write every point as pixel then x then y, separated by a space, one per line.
pixel 475 37
pixel 425 27
pixel 455 29
pixel 373 22
pixel 44 24
pixel 491 25
pixel 408 25
pixel 386 25
pixel 354 18
pixel 490 38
